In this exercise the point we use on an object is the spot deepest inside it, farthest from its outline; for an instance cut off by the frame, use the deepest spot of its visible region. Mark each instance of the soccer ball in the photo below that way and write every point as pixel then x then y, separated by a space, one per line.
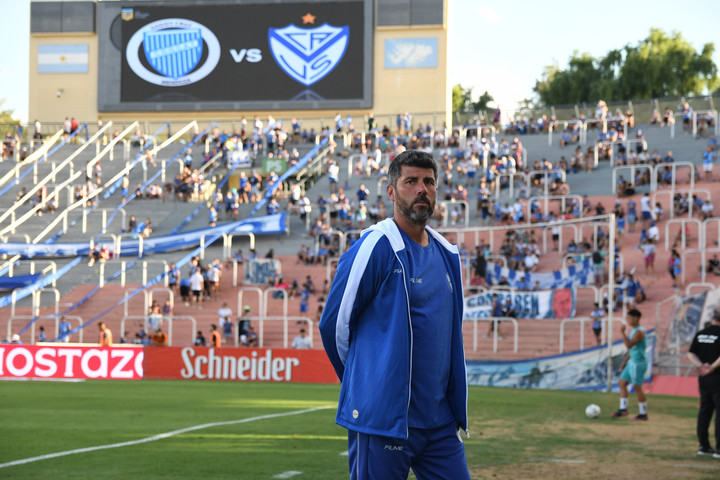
pixel 592 411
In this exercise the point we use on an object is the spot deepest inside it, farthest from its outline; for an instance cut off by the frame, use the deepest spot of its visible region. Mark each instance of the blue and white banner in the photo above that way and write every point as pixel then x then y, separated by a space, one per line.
pixel 559 303
pixel 63 58
pixel 411 53
pixel 267 225
pixel 581 273
pixel 242 157
pixel 260 270
pixel 581 370
pixel 692 313
pixel 38 284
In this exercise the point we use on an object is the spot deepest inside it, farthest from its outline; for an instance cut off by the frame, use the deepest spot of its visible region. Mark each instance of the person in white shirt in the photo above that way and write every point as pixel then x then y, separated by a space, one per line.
pixel 196 285
pixel 302 341
pixel 653 233
pixel 531 261
pixel 226 323
pixel 645 209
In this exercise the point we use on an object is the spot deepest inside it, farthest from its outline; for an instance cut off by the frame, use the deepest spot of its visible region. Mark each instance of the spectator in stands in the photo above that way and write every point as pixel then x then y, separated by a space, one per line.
pixel 648 249
pixel 496 311
pixel 42 337
pixel 333 172
pixel 272 206
pixel 302 341
pixel 713 265
pixel 249 339
pixel 244 321
pixel 226 322
pixel 597 316
pixel 530 262
pixel 64 330
pixel 653 233
pixel 159 339
pixel 255 181
pixel 105 337
pixel 94 255
pixel 706 211
pixel 631 290
pixel 708 160
pixel 509 309
pixel 645 210
pixel 654 119
pixel 147 228
pixel 173 274
pixel 155 316
pixel 687 112
pixel 675 268
pixel 215 339
pixel 197 285
pixel 598 259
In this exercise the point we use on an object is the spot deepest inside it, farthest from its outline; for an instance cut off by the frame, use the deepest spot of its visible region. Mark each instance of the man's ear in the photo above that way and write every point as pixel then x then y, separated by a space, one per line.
pixel 391 192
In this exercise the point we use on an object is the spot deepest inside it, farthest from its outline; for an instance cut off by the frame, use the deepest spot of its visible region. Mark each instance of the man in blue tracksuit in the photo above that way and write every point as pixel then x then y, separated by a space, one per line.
pixel 392 328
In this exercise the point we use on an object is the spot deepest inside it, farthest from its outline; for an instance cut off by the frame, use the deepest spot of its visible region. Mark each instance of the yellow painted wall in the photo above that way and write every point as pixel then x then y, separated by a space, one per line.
pixel 78 91
pixel 424 92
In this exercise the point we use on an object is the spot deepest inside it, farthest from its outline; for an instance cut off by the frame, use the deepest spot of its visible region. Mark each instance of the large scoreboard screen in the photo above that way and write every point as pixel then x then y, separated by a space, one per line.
pixel 235 56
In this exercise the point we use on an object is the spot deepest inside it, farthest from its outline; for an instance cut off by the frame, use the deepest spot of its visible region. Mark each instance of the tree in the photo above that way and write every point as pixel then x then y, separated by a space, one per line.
pixel 659 65
pixel 7 122
pixel 462 100
pixel 482 103
pixel 663 65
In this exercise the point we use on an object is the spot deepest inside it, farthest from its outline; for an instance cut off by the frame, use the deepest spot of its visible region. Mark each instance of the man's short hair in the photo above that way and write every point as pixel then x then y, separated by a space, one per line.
pixel 716 314
pixel 411 158
pixel 634 312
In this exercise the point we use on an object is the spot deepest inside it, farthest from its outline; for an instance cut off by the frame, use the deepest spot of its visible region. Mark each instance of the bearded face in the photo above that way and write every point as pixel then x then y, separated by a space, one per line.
pixel 417 211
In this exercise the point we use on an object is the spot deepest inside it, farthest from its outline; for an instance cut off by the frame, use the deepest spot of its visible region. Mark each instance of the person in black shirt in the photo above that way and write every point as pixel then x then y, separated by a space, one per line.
pixel 705 355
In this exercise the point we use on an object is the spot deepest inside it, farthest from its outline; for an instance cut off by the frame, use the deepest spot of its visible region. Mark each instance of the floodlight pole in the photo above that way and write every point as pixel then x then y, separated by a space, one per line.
pixel 611 294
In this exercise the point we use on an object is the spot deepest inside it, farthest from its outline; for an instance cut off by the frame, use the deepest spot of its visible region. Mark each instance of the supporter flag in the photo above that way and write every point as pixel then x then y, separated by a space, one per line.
pixel 63 58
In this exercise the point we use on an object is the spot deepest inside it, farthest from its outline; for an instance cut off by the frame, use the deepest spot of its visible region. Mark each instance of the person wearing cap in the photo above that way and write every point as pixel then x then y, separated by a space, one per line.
pixel 704 353
pixel 244 321
pixel 15 339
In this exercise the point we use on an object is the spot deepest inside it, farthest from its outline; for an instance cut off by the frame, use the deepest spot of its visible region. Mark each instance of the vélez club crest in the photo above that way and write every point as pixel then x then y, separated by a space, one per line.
pixel 308 54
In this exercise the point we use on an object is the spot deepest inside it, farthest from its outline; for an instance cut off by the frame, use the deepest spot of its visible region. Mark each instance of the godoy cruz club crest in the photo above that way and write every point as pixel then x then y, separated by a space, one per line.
pixel 308 54
pixel 174 53
pixel 173 47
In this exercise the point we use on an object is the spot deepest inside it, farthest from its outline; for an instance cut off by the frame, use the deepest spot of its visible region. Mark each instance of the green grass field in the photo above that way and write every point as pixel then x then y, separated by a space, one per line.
pixel 217 430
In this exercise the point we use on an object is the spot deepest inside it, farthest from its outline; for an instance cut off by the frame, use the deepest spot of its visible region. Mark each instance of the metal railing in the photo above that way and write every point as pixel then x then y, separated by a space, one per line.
pixel 495 330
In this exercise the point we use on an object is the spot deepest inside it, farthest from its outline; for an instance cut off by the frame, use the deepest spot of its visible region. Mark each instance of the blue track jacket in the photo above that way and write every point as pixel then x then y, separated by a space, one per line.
pixel 366 332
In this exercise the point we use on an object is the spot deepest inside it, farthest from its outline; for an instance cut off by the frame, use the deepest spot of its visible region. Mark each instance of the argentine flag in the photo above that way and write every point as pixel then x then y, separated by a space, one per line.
pixel 63 58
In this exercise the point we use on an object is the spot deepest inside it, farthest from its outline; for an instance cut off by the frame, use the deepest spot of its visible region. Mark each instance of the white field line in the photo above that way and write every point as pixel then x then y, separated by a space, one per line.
pixel 290 474
pixel 156 437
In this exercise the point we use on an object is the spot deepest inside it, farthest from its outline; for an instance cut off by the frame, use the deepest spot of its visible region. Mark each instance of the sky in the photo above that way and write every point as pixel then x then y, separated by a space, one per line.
pixel 495 46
